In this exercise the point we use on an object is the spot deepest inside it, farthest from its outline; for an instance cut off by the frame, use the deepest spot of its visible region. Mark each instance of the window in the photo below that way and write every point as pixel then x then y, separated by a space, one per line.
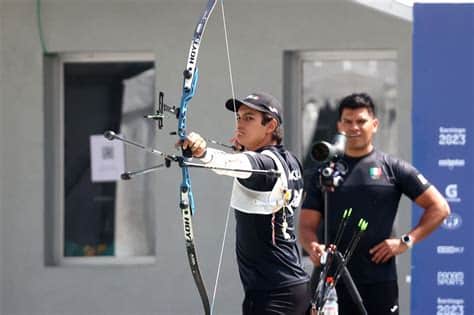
pixel 323 78
pixel 94 215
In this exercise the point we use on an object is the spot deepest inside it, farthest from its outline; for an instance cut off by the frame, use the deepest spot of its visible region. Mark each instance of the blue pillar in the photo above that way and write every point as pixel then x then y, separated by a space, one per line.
pixel 443 124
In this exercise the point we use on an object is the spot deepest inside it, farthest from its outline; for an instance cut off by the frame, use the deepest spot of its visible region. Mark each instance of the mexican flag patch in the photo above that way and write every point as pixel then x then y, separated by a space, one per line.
pixel 375 172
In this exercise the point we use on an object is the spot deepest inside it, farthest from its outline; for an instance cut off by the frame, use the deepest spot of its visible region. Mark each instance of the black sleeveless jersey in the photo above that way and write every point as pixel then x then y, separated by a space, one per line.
pixel 264 265
pixel 372 187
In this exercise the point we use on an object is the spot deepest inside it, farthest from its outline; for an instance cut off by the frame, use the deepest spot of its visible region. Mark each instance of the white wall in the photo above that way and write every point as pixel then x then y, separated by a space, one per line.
pixel 259 33
pixel 2 133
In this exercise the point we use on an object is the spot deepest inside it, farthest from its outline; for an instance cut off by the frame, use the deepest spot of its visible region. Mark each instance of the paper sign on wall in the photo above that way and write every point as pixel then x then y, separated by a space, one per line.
pixel 107 159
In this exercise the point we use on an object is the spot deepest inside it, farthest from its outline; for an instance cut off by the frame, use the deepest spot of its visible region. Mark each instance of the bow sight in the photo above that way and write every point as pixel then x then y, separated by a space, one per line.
pixel 162 108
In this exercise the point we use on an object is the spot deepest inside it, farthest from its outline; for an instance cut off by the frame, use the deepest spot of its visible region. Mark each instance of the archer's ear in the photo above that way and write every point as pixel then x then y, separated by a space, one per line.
pixel 272 125
pixel 375 124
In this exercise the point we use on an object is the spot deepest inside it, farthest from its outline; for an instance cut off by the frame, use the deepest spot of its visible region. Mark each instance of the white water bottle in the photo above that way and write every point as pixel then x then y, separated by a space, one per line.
pixel 330 306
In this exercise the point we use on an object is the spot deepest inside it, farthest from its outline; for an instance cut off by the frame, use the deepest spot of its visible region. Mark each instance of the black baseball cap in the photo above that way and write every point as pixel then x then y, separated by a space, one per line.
pixel 263 102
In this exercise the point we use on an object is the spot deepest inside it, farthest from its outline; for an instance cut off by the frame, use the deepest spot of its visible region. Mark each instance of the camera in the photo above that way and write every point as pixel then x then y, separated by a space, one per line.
pixel 332 175
pixel 323 151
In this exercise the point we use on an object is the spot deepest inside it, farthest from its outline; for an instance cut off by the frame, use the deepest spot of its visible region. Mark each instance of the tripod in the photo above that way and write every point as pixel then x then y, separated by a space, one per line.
pixel 330 177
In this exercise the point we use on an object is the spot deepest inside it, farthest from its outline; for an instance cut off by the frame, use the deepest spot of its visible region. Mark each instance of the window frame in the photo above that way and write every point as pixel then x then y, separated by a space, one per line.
pixel 293 84
pixel 54 102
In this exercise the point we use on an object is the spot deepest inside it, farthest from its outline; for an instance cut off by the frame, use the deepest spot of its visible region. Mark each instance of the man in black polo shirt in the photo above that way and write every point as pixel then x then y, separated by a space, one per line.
pixel 267 254
pixel 372 187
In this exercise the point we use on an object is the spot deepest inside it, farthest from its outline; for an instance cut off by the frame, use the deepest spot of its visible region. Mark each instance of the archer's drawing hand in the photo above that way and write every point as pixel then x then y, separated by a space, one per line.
pixel 236 144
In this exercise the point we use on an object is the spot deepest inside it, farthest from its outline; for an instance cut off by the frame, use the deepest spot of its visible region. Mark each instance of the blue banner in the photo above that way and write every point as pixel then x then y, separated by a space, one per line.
pixel 443 121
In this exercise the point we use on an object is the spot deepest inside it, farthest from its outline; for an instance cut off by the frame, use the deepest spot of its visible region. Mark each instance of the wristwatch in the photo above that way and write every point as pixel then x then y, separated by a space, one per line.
pixel 407 240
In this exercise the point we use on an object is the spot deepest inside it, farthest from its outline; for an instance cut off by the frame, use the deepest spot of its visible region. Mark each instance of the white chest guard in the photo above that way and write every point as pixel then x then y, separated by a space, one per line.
pixel 261 202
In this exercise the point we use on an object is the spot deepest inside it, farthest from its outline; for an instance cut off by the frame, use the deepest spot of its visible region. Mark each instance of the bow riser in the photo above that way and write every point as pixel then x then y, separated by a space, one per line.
pixel 183 108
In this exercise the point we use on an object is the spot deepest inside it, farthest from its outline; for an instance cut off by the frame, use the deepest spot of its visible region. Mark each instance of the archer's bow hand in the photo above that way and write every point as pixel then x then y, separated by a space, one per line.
pixel 195 143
